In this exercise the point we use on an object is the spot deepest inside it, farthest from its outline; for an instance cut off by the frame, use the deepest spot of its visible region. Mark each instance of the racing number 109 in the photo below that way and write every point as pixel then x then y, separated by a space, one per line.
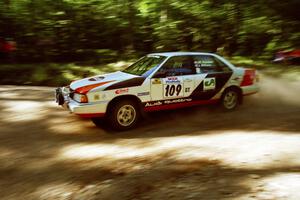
pixel 171 89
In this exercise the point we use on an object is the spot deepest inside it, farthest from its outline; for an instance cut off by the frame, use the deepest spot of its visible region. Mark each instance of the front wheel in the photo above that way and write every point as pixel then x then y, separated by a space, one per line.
pixel 123 115
pixel 230 99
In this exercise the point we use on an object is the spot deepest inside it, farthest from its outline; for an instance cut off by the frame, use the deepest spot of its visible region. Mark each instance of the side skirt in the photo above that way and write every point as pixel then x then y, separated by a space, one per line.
pixel 91 115
pixel 172 106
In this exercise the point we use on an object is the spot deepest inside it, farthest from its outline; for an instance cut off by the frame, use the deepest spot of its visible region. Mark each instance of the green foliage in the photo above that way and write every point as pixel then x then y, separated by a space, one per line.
pixel 52 74
pixel 103 30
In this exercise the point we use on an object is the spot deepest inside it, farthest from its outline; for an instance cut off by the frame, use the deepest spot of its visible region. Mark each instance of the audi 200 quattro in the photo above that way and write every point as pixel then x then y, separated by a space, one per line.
pixel 158 81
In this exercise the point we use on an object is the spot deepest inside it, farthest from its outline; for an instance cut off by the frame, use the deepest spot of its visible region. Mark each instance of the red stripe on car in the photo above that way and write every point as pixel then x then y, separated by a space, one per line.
pixel 91 115
pixel 85 89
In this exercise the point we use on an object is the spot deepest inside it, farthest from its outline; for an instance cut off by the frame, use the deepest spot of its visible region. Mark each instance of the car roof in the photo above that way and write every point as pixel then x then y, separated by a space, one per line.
pixel 179 53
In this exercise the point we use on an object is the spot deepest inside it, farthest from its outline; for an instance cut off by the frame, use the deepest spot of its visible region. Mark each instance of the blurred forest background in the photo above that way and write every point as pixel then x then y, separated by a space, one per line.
pixel 68 30
pixel 104 31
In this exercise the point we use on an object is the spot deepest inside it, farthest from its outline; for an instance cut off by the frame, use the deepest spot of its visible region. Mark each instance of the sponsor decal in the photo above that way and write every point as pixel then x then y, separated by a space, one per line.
pixel 159 103
pixel 179 105
pixel 204 63
pixel 177 101
pixel 209 84
pixel 121 91
pixel 155 103
pixel 172 80
pixel 143 93
pixel 200 94
pixel 156 81
pixel 173 90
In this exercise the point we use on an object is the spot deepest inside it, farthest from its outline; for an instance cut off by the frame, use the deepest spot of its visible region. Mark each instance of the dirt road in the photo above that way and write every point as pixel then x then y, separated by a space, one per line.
pixel 196 153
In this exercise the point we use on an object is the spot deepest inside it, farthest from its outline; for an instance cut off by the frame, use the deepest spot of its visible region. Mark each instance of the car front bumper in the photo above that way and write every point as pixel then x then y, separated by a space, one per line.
pixel 87 110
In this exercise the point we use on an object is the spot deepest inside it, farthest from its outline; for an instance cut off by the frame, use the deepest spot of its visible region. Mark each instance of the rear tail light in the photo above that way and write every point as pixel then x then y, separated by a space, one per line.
pixel 249 77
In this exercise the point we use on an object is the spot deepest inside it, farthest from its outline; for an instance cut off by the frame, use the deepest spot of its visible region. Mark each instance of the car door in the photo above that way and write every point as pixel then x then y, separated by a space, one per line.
pixel 175 79
pixel 213 75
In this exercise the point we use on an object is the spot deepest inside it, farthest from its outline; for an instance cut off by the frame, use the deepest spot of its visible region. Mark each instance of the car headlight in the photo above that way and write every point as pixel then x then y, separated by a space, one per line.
pixel 80 98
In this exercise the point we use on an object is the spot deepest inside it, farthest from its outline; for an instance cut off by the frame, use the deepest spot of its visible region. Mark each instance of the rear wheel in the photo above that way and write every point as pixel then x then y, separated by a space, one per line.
pixel 123 115
pixel 230 99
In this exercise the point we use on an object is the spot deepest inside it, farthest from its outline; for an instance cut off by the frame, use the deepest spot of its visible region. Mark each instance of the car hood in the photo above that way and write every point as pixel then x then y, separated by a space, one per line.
pixel 98 81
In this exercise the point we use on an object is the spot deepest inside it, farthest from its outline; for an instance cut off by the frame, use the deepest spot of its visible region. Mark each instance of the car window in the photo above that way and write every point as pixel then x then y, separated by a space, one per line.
pixel 176 66
pixel 209 64
pixel 145 65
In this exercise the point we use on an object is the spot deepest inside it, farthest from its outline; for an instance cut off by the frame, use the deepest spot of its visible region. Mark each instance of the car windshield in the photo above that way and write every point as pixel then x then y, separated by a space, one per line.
pixel 145 65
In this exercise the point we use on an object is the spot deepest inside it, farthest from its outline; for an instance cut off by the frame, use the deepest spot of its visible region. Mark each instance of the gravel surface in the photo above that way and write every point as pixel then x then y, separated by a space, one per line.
pixel 194 153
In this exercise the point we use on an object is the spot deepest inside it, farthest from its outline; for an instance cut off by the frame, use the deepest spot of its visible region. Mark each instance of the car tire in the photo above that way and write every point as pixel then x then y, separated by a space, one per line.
pixel 230 99
pixel 123 115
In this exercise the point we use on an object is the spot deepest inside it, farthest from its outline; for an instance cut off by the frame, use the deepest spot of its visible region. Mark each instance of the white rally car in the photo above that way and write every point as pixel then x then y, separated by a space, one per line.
pixel 158 81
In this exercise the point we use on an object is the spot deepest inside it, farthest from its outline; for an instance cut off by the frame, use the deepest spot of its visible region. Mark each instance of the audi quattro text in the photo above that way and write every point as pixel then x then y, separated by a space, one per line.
pixel 158 81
